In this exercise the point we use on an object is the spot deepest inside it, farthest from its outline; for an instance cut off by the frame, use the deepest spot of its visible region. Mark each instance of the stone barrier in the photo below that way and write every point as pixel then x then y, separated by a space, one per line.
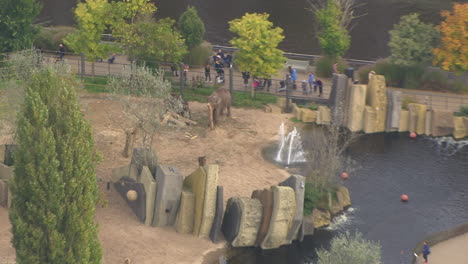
pixel 265 197
pixel 215 233
pixel 284 207
pixel 186 213
pixel 442 123
pixel 337 99
pixel 404 121
pixel 393 111
pixel 307 115
pixel 297 183
pixel 369 120
pixel 357 105
pixel 323 115
pixel 459 130
pixel 168 190
pixel 243 215
pixel 428 123
pixel 150 188
pixel 417 118
pixel 377 98
pixel 321 218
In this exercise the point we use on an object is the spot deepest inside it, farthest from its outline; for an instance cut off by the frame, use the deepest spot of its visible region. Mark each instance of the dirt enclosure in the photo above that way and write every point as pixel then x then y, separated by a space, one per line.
pixel 235 145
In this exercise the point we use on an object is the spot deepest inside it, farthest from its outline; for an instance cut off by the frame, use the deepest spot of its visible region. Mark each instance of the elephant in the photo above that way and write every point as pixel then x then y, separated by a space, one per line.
pixel 217 101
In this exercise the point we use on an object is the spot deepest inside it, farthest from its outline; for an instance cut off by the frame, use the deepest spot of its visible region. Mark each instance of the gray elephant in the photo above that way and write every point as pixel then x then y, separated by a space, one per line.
pixel 217 101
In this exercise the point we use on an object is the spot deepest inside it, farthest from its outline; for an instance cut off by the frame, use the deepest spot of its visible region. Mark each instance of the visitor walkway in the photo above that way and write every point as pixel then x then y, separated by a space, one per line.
pixel 435 100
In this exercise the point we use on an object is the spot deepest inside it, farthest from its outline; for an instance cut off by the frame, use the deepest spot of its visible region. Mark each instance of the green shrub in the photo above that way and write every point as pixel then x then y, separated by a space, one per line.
pixel 314 198
pixel 363 73
pixel 50 38
pixel 199 55
pixel 458 87
pixel 406 101
pixel 434 80
pixel 324 66
pixel 398 75
pixel 463 111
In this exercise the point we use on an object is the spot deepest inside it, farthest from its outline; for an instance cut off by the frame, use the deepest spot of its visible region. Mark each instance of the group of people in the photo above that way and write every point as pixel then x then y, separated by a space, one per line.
pixel 220 61
pixel 314 83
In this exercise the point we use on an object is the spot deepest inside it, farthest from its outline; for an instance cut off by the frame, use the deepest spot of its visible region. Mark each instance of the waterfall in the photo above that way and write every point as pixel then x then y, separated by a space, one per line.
pixel 449 146
pixel 290 147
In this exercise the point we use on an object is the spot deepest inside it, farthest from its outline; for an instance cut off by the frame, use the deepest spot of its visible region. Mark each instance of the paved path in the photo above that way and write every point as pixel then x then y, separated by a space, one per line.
pixel 452 251
pixel 434 100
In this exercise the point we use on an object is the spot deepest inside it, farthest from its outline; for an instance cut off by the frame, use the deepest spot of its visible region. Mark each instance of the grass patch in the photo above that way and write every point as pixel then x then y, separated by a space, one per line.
pixel 95 85
pixel 241 99
pixel 295 120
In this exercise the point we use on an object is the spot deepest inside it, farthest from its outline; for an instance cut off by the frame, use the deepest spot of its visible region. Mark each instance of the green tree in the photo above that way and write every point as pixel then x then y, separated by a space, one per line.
pixel 411 41
pixel 158 41
pixel 93 18
pixel 349 249
pixel 257 42
pixel 191 27
pixel 333 37
pixel 54 189
pixel 17 31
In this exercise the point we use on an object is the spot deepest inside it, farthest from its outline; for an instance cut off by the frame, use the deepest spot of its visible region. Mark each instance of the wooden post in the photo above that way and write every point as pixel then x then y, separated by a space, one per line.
pixel 210 109
pixel 231 84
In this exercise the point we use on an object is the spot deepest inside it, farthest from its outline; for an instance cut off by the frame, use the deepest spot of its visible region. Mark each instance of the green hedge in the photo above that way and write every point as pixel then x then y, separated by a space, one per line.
pixel 324 66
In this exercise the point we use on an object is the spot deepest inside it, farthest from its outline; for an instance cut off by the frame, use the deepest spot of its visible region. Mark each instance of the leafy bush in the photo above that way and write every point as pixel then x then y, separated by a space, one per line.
pixel 463 111
pixel 363 73
pixel 348 249
pixel 324 66
pixel 314 198
pixel 50 38
pixel 199 55
pixel 434 80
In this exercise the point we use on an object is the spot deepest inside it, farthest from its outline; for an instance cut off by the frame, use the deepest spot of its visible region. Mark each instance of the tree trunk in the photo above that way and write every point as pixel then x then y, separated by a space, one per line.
pixel 130 138
pixel 252 91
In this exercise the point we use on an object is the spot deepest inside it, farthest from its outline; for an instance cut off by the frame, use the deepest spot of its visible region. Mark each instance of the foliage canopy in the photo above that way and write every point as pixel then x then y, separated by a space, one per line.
pixel 191 27
pixel 411 41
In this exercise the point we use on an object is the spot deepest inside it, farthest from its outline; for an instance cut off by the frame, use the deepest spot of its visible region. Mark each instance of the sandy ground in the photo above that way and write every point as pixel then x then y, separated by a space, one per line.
pixel 451 251
pixel 235 145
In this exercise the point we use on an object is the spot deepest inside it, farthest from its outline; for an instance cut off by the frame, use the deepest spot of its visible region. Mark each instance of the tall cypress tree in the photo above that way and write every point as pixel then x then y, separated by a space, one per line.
pixel 16 24
pixel 54 187
pixel 191 27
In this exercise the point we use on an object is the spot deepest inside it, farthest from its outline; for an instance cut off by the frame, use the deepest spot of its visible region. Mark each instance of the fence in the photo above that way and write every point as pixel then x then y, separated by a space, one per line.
pixel 436 100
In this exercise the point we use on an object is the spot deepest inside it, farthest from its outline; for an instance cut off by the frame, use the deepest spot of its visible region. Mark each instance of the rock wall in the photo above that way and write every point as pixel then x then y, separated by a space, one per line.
pixel 297 183
pixel 265 197
pixel 377 99
pixel 393 111
pixel 459 130
pixel 357 105
pixel 323 115
pixel 404 121
pixel 249 217
pixel 150 188
pixel 168 191
pixel 441 124
pixel 284 206
pixel 186 213
pixel 370 117
pixel 417 120
pixel 337 99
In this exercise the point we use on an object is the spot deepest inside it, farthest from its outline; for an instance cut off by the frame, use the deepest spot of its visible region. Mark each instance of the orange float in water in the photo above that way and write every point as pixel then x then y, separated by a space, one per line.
pixel 413 135
pixel 344 176
pixel 404 198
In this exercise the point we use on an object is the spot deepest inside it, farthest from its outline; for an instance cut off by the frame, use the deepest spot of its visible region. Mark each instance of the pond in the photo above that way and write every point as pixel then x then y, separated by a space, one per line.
pixel 432 172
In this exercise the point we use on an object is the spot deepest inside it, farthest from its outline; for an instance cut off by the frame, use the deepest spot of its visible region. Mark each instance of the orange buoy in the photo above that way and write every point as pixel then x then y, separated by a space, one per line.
pixel 344 176
pixel 413 135
pixel 404 198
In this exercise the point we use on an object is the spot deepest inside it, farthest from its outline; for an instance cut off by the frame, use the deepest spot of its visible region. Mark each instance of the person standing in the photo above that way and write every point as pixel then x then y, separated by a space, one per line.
pixel 61 51
pixel 174 70
pixel 311 81
pixel 186 69
pixel 304 87
pixel 426 252
pixel 207 72
pixel 294 77
pixel 246 77
pixel 319 84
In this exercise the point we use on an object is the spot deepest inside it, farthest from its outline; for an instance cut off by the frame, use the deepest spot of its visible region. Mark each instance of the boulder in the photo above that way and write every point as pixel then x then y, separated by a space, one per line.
pixel 393 111
pixel 138 206
pixel 297 183
pixel 265 197
pixel 168 191
pixel 308 116
pixel 377 98
pixel 342 195
pixel 357 105
pixel 150 188
pixel 185 215
pixel 4 193
pixel 215 233
pixel 442 123
pixel 323 115
pixel 428 123
pixel 369 120
pixel 321 218
pixel 334 205
pixel 284 207
pixel 459 130
pixel 203 183
pixel 144 157
pixel 417 118
pixel 404 121
pixel 120 172
pixel 275 109
pixel 247 214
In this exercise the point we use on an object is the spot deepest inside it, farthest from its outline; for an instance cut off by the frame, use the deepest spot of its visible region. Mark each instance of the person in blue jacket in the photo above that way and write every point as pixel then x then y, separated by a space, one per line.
pixel 426 252
pixel 294 77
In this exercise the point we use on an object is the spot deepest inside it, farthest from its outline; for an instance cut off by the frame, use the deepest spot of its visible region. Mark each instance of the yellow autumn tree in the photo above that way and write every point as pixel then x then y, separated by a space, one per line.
pixel 452 55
